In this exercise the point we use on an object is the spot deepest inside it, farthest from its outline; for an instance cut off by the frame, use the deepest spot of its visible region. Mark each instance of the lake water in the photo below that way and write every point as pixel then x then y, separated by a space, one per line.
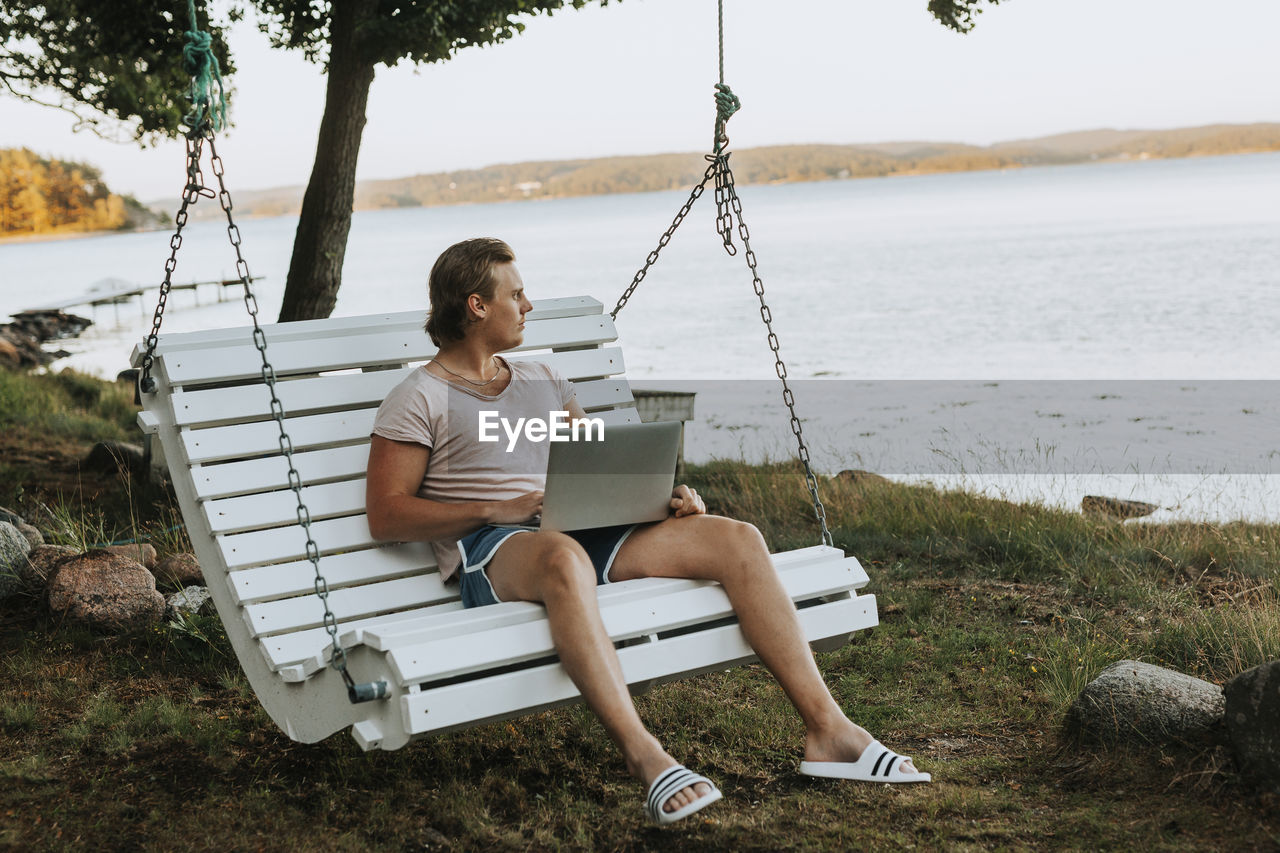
pixel 983 329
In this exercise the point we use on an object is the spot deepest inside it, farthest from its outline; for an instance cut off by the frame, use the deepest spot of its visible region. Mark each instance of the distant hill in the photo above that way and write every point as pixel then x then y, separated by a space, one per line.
pixel 776 164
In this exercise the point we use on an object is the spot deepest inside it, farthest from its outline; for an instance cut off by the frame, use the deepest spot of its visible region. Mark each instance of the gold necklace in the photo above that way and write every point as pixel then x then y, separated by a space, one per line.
pixel 488 381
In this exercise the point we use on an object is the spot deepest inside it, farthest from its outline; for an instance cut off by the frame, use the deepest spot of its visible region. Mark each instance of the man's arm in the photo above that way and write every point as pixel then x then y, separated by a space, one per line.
pixel 396 513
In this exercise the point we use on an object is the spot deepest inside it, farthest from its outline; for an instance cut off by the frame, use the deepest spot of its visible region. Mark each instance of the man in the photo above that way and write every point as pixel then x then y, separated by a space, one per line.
pixel 431 478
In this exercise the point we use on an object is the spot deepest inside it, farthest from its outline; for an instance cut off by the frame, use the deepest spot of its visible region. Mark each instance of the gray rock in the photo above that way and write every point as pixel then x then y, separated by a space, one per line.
pixel 11 517
pixel 14 548
pixel 42 562
pixel 1138 702
pixel 1116 507
pixel 179 568
pixel 34 537
pixel 106 591
pixel 192 599
pixel 1253 722
pixel 111 456
pixel 143 553
pixel 862 478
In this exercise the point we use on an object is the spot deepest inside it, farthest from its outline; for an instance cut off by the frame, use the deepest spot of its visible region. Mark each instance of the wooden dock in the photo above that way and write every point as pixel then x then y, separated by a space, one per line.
pixel 116 292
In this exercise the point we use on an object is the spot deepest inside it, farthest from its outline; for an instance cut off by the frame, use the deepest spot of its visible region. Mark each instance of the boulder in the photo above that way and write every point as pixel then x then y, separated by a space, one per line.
pixel 140 553
pixel 42 561
pixel 1253 722
pixel 1116 507
pixel 1138 702
pixel 11 517
pixel 9 355
pixel 179 568
pixel 14 548
pixel 106 591
pixel 110 456
pixel 861 478
pixel 191 599
pixel 33 536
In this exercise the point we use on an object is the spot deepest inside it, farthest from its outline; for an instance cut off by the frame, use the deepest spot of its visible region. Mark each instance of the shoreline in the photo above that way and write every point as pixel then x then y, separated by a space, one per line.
pixel 906 173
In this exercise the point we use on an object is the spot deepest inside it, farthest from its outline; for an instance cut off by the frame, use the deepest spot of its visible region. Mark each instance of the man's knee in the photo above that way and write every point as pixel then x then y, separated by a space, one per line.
pixel 738 547
pixel 563 566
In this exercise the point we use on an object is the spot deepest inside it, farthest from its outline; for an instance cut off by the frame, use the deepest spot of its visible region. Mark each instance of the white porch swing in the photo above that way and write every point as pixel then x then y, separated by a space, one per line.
pixel 270 481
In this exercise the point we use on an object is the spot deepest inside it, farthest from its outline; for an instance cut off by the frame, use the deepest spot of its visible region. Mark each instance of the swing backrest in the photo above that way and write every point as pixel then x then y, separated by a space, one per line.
pixel 331 377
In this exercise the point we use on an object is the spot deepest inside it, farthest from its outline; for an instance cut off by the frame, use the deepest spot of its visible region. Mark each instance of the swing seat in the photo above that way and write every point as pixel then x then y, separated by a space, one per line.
pixel 446 668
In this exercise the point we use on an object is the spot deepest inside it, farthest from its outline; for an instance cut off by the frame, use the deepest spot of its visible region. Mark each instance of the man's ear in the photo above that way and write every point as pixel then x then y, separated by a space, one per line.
pixel 476 306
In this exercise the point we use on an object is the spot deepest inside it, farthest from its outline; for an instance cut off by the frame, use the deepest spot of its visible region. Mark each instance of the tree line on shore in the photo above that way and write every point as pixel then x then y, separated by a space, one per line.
pixel 775 164
pixel 40 195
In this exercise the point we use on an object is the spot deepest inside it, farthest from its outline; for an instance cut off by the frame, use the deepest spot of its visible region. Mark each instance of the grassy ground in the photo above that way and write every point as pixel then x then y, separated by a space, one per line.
pixel 993 616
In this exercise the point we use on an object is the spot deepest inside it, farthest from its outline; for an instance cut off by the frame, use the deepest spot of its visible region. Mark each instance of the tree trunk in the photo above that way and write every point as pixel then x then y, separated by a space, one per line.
pixel 320 245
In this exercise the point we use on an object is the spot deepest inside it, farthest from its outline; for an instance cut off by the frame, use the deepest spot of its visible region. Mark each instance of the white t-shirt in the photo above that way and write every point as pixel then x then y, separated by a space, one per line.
pixel 446 417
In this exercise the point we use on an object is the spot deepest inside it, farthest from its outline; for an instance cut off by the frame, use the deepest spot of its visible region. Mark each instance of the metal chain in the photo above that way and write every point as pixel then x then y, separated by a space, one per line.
pixel 663 241
pixel 356 692
pixel 190 194
pixel 724 179
pixel 194 190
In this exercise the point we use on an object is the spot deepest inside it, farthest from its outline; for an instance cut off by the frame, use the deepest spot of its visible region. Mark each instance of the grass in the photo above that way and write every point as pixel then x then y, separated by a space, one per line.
pixel 993 616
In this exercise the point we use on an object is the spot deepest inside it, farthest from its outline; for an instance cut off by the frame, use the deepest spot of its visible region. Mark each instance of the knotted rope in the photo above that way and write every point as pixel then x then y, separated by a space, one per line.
pixel 206 92
pixel 727 104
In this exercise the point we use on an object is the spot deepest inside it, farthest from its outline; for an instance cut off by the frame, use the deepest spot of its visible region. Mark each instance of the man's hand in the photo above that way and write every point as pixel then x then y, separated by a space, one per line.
pixel 685 501
pixel 517 510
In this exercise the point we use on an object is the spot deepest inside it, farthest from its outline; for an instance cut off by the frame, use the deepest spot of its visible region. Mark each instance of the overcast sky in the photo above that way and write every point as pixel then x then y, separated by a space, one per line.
pixel 636 77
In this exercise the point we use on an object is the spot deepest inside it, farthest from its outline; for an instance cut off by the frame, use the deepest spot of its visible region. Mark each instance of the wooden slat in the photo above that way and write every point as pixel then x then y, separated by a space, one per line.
pixel 315 466
pixel 314 355
pixel 395 630
pixel 238 441
pixel 513 613
pixel 241 550
pixel 272 509
pixel 355 602
pixel 288 650
pixel 469 703
pixel 401 321
pixel 308 432
pixel 260 475
pixel 347 390
pixel 283 580
pixel 700 603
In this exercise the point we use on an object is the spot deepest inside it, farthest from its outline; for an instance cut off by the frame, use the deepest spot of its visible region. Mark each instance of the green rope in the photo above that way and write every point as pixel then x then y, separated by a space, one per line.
pixel 206 93
pixel 727 103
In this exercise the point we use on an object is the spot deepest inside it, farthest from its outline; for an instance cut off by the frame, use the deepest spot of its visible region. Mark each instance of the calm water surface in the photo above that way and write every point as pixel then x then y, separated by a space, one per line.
pixel 1163 269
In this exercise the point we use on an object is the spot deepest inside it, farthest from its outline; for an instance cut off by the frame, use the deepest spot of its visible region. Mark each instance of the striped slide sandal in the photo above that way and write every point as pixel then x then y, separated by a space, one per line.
pixel 877 763
pixel 670 782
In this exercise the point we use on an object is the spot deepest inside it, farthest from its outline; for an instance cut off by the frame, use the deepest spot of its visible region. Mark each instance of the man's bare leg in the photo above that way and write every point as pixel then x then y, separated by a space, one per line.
pixel 734 553
pixel 553 569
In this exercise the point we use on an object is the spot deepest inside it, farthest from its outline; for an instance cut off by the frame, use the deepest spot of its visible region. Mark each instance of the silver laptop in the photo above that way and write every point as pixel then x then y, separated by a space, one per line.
pixel 625 479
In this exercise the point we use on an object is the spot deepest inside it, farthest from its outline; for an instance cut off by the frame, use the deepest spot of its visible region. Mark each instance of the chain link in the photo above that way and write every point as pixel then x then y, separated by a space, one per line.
pixel 663 240
pixel 196 189
pixel 339 657
pixel 191 193
pixel 725 216
pixel 729 213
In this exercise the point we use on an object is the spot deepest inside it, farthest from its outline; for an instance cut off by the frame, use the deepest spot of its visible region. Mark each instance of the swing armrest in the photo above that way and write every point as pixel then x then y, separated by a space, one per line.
pixel 148 423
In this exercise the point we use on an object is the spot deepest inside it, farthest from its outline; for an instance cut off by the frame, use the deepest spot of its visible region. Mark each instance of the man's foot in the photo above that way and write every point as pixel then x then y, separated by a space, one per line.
pixel 844 742
pixel 675 780
pixel 657 763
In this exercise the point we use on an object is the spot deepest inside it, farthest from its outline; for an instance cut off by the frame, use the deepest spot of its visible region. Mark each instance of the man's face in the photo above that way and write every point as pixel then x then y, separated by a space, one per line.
pixel 503 319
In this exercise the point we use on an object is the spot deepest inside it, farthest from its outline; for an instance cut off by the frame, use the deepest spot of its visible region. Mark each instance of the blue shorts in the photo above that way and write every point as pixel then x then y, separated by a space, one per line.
pixel 601 545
